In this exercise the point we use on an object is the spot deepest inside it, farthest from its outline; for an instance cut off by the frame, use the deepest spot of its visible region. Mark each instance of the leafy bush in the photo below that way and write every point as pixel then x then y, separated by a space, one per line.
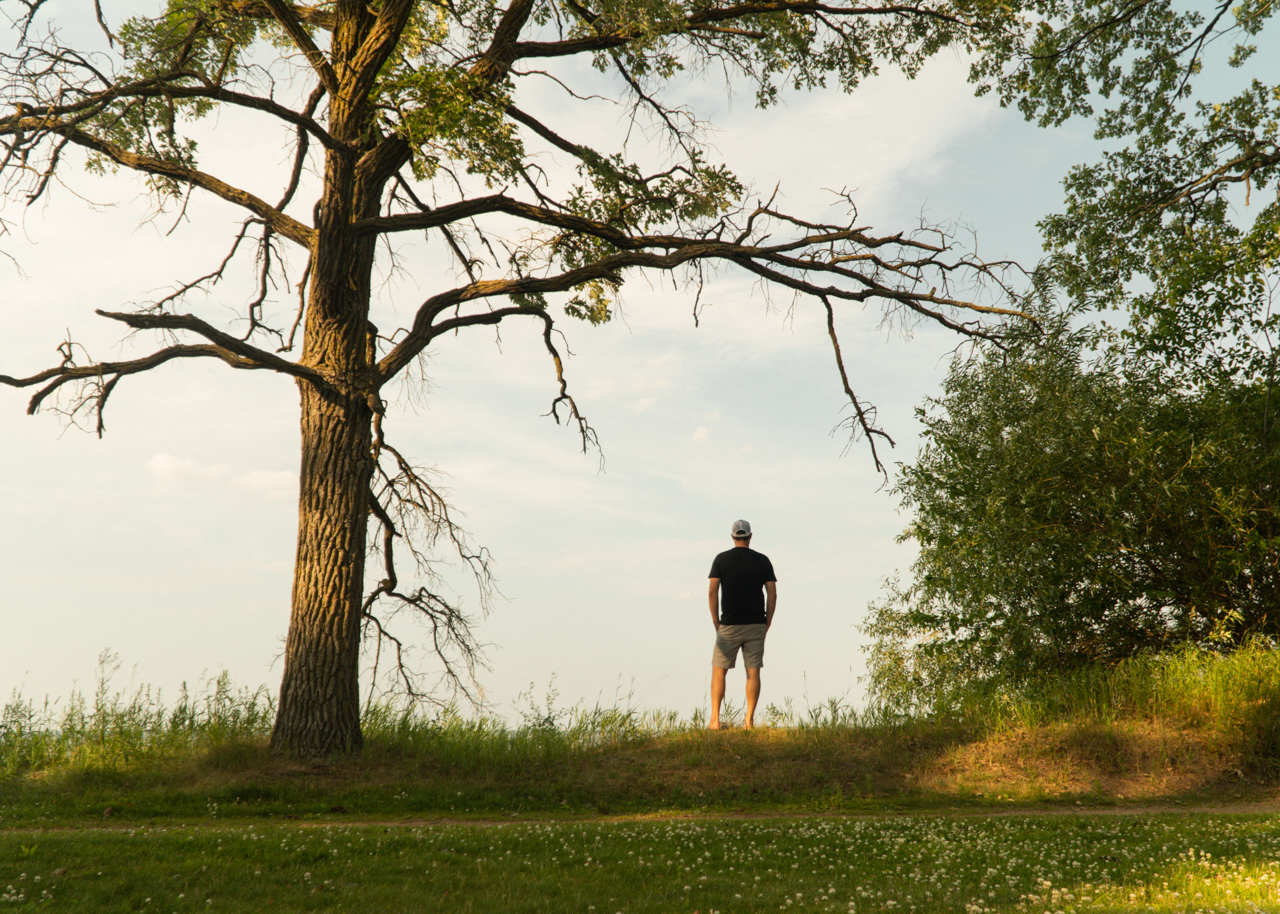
pixel 1076 507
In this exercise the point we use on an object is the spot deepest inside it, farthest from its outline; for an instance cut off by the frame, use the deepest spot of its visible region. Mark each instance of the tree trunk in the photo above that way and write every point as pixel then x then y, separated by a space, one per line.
pixel 319 713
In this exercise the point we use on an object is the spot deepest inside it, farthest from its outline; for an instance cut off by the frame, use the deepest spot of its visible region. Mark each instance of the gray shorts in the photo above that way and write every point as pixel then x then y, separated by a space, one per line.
pixel 729 638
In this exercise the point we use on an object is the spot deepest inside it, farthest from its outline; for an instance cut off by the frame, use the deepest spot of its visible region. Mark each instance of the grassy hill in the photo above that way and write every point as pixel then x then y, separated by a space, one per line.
pixel 1186 729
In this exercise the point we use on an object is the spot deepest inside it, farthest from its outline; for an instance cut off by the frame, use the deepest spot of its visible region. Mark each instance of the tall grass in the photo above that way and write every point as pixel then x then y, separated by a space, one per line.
pixel 1235 696
pixel 447 738
pixel 111 729
pixel 115 729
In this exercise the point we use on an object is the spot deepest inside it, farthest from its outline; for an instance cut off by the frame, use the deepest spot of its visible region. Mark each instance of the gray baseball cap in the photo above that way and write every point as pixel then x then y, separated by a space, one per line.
pixel 741 529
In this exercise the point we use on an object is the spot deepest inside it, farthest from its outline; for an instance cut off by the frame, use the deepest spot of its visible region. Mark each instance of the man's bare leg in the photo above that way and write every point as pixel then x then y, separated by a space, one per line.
pixel 717 695
pixel 753 695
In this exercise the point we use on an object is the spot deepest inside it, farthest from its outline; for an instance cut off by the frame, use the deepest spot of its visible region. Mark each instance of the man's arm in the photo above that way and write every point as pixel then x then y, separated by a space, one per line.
pixel 713 597
pixel 771 602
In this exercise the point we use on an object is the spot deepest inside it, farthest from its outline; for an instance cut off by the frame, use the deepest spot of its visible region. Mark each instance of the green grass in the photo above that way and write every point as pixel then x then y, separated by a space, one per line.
pixel 1236 696
pixel 910 864
pixel 1188 727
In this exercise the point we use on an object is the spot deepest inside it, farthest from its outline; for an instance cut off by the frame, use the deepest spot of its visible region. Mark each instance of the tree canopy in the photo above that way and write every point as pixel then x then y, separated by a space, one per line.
pixel 1180 225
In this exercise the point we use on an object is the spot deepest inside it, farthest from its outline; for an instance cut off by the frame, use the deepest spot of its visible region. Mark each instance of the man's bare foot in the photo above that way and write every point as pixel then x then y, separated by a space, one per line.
pixel 748 726
pixel 714 725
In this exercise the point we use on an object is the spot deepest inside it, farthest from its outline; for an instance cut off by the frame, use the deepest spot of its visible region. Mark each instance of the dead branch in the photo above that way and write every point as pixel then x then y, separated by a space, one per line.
pixel 413 511
pixel 864 416
pixel 287 16
pixel 283 224
pixel 585 431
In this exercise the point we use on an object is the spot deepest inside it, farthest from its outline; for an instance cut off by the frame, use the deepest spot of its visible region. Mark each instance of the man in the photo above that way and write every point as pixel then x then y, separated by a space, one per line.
pixel 741 616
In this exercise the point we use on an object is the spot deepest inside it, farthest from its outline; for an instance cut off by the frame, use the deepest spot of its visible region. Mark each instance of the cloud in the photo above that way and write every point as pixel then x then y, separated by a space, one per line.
pixel 180 473
pixel 276 486
pixel 642 405
pixel 173 472
pixel 701 433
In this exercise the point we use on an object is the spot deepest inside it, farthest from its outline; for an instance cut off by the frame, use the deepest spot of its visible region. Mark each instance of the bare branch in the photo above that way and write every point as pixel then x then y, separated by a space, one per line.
pixel 865 416
pixel 285 225
pixel 585 431
pixel 250 356
pixel 165 86
pixel 96 374
pixel 289 21
pixel 468 265
pixel 411 510
pixel 102 23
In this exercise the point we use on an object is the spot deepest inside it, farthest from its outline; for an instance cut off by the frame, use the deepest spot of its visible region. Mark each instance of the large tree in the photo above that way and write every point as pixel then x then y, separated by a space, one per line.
pixel 416 116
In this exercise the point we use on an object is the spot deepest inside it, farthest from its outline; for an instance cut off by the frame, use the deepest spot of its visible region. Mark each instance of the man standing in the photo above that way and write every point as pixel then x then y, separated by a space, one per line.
pixel 741 616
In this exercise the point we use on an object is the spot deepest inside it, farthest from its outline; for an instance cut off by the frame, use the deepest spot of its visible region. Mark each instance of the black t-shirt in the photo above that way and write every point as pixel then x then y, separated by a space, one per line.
pixel 743 572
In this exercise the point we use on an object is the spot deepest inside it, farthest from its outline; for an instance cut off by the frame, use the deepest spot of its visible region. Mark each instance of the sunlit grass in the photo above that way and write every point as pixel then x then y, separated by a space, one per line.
pixel 1178 728
pixel 119 731
pixel 925 864
pixel 1235 695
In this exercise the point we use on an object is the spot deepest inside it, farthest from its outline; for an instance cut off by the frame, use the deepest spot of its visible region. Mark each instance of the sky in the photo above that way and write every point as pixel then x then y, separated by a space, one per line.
pixel 170 541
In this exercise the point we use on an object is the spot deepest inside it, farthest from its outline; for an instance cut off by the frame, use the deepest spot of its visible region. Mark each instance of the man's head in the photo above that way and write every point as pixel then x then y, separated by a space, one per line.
pixel 741 532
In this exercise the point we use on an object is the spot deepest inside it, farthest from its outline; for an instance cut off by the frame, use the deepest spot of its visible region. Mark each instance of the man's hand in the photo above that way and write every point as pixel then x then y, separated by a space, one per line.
pixel 713 598
pixel 771 602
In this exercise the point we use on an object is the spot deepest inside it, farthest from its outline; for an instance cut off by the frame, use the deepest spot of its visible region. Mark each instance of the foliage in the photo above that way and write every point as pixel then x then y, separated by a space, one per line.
pixel 1179 225
pixel 1074 507
pixel 1089 497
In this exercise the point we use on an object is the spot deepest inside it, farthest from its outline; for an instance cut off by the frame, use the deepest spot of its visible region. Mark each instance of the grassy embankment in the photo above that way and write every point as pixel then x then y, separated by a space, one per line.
pixel 1181 729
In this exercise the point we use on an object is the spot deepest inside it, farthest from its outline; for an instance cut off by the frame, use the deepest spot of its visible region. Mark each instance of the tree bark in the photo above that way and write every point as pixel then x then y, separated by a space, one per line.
pixel 319 713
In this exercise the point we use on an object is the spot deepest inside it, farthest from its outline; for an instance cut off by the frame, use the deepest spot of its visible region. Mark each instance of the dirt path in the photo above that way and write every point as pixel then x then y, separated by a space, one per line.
pixel 1268 805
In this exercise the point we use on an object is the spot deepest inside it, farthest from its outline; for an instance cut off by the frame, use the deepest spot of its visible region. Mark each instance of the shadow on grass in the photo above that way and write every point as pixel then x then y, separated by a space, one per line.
pixel 816 770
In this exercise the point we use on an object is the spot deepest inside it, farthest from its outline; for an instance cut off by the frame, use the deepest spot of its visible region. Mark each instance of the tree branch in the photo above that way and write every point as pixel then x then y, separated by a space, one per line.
pixel 410 509
pixel 585 431
pixel 290 22
pixel 710 19
pixel 495 62
pixel 377 46
pixel 865 416
pixel 244 352
pixel 768 262
pixel 285 225
pixel 96 375
pixel 257 9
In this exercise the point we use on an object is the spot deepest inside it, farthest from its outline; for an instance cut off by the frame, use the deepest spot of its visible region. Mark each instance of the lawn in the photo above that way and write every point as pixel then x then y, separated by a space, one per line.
pixel 905 865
